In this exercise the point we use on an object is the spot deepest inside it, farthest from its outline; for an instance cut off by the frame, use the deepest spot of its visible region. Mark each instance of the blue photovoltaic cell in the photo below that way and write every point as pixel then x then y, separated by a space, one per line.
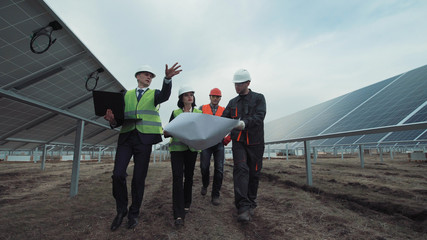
pixel 385 103
pixel 423 137
pixel 391 105
pixel 404 135
pixel 317 142
pixel 371 138
pixel 279 129
pixel 348 140
pixel 330 141
pixel 312 121
pixel 338 110
pixel 420 116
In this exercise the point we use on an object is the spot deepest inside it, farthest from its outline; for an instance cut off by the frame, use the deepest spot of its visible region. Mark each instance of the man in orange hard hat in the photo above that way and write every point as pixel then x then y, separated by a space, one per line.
pixel 216 150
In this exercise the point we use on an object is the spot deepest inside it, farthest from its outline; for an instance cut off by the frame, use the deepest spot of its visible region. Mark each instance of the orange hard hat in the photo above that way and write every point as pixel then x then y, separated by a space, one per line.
pixel 215 92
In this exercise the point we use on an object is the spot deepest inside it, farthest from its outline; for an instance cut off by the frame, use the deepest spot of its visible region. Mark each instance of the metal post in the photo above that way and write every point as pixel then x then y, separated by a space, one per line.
pixel 44 157
pixel 60 152
pixel 381 154
pixel 287 153
pixel 308 163
pixel 34 158
pixel 76 158
pixel 268 149
pixel 342 153
pixel 362 160
pixel 99 155
pixel 314 155
pixel 391 153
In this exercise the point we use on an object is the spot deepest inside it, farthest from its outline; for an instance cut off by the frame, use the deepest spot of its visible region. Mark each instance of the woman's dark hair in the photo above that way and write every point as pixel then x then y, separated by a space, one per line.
pixel 181 103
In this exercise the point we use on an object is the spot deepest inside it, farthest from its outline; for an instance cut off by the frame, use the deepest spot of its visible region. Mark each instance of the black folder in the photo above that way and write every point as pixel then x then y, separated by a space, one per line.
pixel 109 100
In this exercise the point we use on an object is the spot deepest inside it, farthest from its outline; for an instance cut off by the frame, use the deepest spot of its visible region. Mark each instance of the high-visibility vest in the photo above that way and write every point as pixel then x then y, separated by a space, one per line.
pixel 208 110
pixel 176 145
pixel 142 115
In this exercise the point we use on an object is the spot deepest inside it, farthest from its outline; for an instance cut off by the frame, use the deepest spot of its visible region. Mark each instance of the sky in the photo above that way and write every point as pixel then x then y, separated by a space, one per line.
pixel 299 53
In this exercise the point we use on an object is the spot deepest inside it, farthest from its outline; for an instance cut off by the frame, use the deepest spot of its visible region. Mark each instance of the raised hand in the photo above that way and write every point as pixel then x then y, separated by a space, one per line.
pixel 174 70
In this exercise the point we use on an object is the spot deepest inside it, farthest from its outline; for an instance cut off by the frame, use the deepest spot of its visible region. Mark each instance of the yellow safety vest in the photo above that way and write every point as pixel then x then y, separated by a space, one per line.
pixel 142 115
pixel 176 145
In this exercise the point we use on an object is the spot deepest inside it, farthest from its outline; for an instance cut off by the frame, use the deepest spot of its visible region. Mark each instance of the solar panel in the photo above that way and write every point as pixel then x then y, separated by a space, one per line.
pixel 348 140
pixel 390 106
pixel 338 110
pixel 403 136
pixel 371 138
pixel 423 136
pixel 283 127
pixel 40 82
pixel 394 101
pixel 420 116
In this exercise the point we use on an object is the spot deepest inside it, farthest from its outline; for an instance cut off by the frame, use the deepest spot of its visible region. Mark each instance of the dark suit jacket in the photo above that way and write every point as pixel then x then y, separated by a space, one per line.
pixel 160 96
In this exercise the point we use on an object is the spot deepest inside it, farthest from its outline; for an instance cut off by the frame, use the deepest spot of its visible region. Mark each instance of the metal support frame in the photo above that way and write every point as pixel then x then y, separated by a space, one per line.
pixel 287 152
pixel 314 155
pixel 43 157
pixel 308 163
pixel 362 159
pixel 76 158
pixel 342 153
pixel 99 154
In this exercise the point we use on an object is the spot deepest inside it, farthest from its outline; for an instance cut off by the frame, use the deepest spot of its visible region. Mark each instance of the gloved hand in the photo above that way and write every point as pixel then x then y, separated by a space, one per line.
pixel 240 126
pixel 226 140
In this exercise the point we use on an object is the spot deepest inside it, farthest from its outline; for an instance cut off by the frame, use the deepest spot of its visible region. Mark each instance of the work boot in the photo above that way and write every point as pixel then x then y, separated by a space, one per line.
pixel 244 217
pixel 215 201
pixel 251 211
pixel 203 191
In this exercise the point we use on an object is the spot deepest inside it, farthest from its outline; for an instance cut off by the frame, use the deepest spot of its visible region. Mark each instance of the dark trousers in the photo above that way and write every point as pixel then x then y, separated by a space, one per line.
pixel 141 157
pixel 183 163
pixel 205 161
pixel 246 172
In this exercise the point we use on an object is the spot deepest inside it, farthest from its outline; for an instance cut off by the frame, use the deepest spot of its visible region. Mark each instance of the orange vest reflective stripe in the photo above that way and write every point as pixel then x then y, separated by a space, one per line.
pixel 206 109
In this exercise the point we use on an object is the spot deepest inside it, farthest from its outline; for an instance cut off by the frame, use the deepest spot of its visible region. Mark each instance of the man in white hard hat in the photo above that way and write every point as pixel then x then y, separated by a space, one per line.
pixel 248 143
pixel 141 128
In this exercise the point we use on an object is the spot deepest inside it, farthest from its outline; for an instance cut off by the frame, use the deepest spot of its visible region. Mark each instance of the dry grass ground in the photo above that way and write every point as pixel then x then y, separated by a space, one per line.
pixel 384 200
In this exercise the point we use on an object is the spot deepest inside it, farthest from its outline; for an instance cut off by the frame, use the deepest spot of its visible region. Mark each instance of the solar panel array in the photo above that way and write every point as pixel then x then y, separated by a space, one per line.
pixel 398 100
pixel 32 84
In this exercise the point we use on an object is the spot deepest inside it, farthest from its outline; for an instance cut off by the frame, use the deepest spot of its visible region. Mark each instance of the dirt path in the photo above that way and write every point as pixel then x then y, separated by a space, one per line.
pixel 382 201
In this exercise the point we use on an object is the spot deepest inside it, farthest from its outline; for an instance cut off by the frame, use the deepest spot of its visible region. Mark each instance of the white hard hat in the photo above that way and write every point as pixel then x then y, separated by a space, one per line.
pixel 241 75
pixel 185 89
pixel 145 68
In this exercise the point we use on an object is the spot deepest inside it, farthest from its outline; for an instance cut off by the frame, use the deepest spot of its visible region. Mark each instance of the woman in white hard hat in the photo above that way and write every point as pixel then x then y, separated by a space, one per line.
pixel 183 160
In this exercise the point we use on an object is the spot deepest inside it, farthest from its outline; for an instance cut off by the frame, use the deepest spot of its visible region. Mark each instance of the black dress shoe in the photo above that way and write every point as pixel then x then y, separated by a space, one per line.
pixel 179 222
pixel 117 221
pixel 132 222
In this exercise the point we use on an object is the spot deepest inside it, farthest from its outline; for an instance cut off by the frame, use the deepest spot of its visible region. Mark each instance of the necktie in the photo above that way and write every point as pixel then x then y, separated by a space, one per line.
pixel 140 94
